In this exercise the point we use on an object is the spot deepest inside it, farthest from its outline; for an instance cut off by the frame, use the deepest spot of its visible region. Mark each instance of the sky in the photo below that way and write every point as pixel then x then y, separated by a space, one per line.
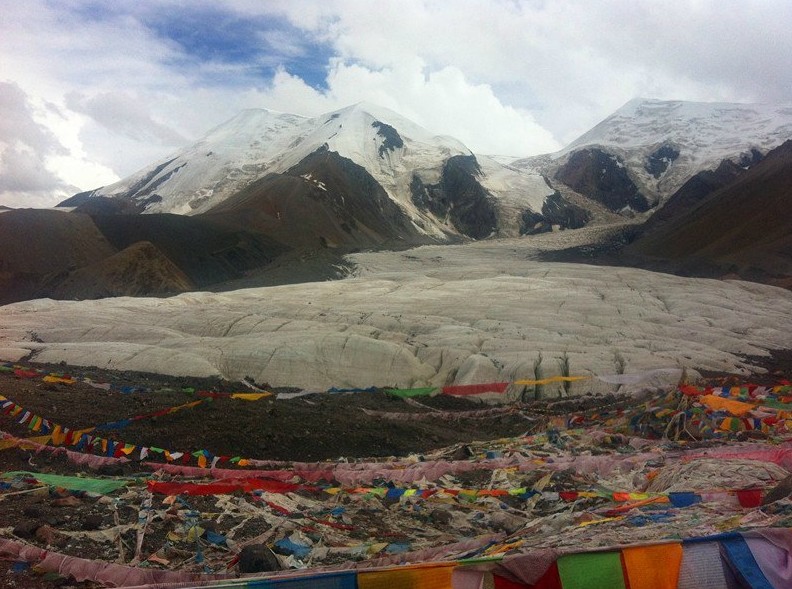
pixel 92 91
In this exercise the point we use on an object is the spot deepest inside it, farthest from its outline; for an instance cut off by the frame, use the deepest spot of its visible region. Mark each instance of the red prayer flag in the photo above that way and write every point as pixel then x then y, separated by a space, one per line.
pixel 750 497
pixel 476 389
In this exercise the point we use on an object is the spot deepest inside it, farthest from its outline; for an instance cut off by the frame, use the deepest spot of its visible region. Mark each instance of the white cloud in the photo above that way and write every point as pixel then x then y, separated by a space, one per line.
pixel 516 77
pixel 26 146
pixel 120 113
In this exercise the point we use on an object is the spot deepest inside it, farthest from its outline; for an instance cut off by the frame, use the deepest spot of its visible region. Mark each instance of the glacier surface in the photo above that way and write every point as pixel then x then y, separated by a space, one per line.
pixel 433 315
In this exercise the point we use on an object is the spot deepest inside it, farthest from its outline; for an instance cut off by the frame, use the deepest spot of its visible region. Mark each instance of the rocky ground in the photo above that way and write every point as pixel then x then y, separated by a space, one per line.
pixel 310 428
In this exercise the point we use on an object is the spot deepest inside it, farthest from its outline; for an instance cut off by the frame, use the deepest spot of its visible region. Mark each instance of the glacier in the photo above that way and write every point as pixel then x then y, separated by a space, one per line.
pixel 433 315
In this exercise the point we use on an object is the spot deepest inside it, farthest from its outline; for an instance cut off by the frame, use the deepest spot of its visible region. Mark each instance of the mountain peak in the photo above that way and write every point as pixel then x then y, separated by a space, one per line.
pixel 259 141
pixel 708 130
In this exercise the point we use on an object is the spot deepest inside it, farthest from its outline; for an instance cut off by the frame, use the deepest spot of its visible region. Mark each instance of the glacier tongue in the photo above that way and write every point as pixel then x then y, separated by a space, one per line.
pixel 432 315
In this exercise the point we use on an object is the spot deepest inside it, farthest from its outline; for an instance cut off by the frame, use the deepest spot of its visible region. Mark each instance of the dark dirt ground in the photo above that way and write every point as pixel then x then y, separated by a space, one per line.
pixel 311 428
pixel 314 427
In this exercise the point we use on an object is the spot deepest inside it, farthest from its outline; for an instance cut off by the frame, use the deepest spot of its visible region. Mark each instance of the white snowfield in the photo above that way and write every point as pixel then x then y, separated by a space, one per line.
pixel 434 315
pixel 704 133
pixel 258 142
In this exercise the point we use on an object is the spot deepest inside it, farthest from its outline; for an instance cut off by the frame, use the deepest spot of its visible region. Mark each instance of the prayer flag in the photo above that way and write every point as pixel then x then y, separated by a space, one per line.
pixel 653 567
pixel 591 570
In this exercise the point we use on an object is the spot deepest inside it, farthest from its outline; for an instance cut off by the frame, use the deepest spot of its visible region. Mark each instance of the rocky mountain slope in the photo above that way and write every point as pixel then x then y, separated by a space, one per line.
pixel 730 220
pixel 643 153
pixel 272 198
pixel 73 255
pixel 438 189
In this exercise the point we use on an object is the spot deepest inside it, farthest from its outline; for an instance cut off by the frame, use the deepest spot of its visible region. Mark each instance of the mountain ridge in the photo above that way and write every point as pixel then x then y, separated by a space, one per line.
pixel 663 143
pixel 269 190
pixel 257 142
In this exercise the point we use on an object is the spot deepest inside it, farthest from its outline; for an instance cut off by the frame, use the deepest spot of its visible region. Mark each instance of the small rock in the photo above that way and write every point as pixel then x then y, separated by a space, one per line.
pixel 54 520
pixel 257 558
pixel 442 517
pixel 27 529
pixel 31 511
pixel 506 522
pixel 50 536
pixel 111 470
pixel 70 501
pixel 92 521
pixel 462 453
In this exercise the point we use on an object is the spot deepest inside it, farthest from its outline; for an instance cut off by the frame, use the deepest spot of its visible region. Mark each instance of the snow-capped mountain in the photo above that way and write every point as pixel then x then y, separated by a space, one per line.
pixel 408 162
pixel 647 149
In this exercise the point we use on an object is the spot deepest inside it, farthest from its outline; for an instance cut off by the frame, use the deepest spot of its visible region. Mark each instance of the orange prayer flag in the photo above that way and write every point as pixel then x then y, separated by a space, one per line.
pixel 737 408
pixel 653 567
pixel 420 577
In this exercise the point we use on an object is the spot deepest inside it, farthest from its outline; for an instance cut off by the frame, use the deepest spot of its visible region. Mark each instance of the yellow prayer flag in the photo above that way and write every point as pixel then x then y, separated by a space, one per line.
pixel 6 444
pixel 600 521
pixel 39 439
pixel 250 396
pixel 57 435
pixel 51 378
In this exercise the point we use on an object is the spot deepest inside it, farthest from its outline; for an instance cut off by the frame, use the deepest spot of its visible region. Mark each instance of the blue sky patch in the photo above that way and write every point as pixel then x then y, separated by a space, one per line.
pixel 242 47
pixel 258 45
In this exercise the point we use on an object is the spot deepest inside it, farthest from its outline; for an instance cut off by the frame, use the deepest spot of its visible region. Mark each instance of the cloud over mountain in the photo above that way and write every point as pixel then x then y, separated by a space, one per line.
pixel 517 78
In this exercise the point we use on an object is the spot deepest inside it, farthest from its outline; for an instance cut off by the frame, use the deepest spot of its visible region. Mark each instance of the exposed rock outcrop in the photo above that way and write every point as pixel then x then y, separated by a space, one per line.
pixel 458 198
pixel 602 177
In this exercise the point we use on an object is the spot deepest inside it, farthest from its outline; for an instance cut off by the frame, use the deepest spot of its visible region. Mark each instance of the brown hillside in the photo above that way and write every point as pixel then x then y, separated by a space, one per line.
pixel 140 269
pixel 35 243
pixel 324 201
pixel 744 227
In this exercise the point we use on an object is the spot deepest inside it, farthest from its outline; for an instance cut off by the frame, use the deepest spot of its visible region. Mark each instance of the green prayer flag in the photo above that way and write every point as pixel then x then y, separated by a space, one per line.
pixel 776 404
pixel 420 392
pixel 591 570
pixel 101 486
pixel 480 560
